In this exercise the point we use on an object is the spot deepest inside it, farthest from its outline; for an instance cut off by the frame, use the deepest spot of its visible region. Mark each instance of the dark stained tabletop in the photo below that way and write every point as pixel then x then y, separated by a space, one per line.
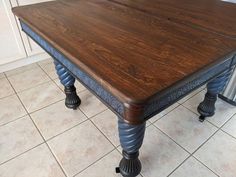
pixel 137 48
pixel 212 15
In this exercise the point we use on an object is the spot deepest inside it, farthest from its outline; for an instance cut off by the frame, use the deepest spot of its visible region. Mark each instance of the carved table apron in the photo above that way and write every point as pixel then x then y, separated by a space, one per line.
pixel 132 109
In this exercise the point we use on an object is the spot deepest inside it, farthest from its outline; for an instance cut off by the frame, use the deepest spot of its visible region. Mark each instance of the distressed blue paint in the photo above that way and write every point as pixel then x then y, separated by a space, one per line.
pixel 215 86
pixel 65 77
pixel 207 107
pixel 107 97
pixel 177 93
pixel 131 136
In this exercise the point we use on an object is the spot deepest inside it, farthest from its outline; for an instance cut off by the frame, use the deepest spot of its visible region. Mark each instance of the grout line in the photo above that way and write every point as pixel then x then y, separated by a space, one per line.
pixel 14 120
pixel 46 72
pixel 97 127
pixel 39 132
pixel 151 123
pixel 95 114
pixel 21 153
pixel 23 71
pixel 102 133
pixel 57 161
pixel 199 115
pixel 47 145
pixel 26 89
pixel 179 165
pixel 87 119
pixel 205 165
pixel 192 154
pixel 94 162
pixel 49 139
pixel 46 106
pixel 32 86
pixel 7 96
pixel 172 139
pixel 207 119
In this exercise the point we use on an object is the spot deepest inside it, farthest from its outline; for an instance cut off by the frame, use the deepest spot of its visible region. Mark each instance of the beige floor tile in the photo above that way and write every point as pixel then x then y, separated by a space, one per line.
pixel 2 75
pixel 41 96
pixel 219 154
pixel 28 79
pixel 230 126
pixel 17 137
pixel 78 85
pixel 159 154
pixel 148 123
pixel 5 88
pixel 50 70
pixel 56 118
pixel 44 62
pixel 107 123
pixel 10 109
pixel 164 112
pixel 192 168
pixel 183 126
pixel 191 95
pixel 90 104
pixel 104 167
pixel 77 148
pixel 224 111
pixel 21 69
pixel 193 102
pixel 38 162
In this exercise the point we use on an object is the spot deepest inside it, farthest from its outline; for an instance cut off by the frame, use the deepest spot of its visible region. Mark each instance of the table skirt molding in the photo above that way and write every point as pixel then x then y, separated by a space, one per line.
pixel 136 114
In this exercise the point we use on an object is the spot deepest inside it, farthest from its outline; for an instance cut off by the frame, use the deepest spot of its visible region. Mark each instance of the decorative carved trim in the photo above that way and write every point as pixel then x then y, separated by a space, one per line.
pixel 91 84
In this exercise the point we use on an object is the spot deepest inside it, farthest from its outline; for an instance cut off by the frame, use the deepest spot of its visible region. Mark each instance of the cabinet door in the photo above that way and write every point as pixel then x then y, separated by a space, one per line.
pixel 11 45
pixel 31 47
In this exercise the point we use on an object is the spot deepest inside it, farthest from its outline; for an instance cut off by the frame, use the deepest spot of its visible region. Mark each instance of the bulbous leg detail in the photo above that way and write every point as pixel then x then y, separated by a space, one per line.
pixel 72 100
pixel 207 107
pixel 131 138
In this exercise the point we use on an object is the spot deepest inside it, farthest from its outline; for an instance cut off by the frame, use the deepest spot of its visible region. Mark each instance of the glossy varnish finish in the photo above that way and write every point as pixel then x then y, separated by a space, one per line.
pixel 131 53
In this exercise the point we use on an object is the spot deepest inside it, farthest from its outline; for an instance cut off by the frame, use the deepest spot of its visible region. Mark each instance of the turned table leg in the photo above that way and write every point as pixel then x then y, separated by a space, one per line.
pixel 131 139
pixel 72 100
pixel 207 107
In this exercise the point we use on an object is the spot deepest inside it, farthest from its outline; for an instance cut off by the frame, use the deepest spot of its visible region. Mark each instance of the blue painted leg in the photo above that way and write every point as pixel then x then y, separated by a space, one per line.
pixel 72 100
pixel 131 139
pixel 207 107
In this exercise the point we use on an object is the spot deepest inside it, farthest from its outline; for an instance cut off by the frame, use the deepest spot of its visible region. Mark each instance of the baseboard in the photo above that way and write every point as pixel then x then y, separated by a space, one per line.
pixel 23 62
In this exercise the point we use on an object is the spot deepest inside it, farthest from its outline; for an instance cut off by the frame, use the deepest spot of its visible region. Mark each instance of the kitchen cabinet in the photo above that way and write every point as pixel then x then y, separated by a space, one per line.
pixel 31 47
pixel 11 44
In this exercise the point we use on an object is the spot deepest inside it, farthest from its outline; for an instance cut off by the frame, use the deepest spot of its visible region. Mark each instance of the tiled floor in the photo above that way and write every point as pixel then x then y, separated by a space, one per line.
pixel 39 137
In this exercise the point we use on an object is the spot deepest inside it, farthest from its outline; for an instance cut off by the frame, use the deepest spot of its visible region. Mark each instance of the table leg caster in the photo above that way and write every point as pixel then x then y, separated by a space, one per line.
pixel 130 165
pixel 202 118
pixel 72 100
pixel 207 107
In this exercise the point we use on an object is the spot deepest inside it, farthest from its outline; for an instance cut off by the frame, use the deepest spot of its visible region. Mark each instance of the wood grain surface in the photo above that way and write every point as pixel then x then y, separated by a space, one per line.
pixel 138 49
pixel 212 15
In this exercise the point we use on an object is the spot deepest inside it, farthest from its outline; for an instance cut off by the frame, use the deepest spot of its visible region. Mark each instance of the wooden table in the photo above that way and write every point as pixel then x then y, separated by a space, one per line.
pixel 137 56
